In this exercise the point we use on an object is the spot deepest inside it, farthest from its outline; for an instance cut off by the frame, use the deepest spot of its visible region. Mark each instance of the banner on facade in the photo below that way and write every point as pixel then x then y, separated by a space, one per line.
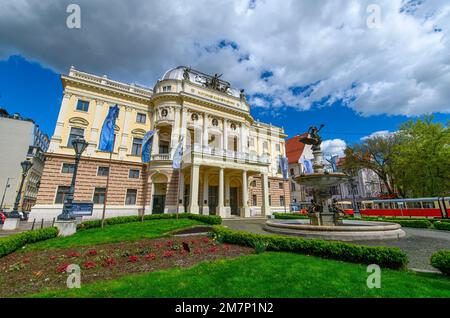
pixel 147 143
pixel 178 155
pixel 107 135
pixel 284 165
pixel 307 165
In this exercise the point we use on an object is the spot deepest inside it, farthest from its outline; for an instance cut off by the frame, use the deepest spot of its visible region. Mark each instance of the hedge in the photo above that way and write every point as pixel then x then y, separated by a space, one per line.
pixel 442 226
pixel 441 260
pixel 287 216
pixel 420 223
pixel 388 257
pixel 14 242
pixel 209 219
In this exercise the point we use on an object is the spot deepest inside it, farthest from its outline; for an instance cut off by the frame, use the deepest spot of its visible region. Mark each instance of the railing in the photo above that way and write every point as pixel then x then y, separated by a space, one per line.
pixel 226 154
pixel 161 156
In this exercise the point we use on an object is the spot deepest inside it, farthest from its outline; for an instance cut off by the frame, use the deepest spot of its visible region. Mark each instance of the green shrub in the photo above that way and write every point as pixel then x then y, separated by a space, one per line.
pixel 389 257
pixel 287 216
pixel 260 246
pixel 14 242
pixel 442 226
pixel 208 219
pixel 441 260
pixel 420 223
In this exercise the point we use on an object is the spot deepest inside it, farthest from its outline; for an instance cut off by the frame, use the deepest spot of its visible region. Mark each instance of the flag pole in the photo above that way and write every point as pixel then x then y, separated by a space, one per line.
pixel 178 193
pixel 106 190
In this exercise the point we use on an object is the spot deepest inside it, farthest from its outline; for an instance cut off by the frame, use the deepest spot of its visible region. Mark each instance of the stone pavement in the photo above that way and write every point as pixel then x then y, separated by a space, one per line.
pixel 418 244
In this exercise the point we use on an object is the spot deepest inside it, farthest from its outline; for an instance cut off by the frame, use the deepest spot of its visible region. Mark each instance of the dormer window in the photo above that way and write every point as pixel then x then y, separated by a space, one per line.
pixel 167 88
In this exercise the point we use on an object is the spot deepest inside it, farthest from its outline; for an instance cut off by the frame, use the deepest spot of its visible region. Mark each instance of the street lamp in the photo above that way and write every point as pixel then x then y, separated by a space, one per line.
pixel 79 145
pixel 26 165
pixel 356 212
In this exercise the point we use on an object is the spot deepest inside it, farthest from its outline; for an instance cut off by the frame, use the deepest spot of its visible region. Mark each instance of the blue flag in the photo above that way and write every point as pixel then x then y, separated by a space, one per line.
pixel 107 136
pixel 178 155
pixel 307 165
pixel 284 167
pixel 147 143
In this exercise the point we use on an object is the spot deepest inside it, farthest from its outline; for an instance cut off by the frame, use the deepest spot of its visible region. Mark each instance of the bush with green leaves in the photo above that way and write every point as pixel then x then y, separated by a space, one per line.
pixel 389 257
pixel 12 243
pixel 445 226
pixel 260 246
pixel 441 260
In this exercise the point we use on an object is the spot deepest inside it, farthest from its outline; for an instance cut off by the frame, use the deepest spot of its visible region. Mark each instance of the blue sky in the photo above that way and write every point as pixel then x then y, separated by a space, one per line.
pixel 35 91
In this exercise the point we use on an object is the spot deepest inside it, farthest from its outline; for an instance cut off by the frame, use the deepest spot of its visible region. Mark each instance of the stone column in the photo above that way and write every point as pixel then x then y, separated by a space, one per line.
pixel 93 142
pixel 175 137
pixel 205 208
pixel 245 210
pixel 225 135
pixel 193 199
pixel 123 144
pixel 183 126
pixel 205 130
pixel 220 207
pixel 265 208
pixel 57 135
pixel 155 145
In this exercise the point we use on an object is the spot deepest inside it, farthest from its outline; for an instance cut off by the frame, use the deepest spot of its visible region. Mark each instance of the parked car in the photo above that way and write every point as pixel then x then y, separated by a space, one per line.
pixel 23 215
pixel 2 218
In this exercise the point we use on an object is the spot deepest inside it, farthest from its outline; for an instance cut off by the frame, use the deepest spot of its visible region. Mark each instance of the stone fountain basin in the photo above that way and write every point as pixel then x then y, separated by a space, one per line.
pixel 351 230
pixel 321 180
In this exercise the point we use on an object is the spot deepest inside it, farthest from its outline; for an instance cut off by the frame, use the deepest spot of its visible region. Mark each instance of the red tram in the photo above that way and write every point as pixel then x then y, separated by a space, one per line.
pixel 438 207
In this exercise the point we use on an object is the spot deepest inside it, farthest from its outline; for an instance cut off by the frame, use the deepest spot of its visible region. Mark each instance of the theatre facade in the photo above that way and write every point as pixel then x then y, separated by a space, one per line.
pixel 230 162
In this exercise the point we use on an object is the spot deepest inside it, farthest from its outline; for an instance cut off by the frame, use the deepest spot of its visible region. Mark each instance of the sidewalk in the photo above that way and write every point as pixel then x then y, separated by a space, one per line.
pixel 25 226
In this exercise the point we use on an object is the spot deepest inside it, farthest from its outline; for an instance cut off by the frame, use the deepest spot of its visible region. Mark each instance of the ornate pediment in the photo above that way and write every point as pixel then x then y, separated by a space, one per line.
pixel 138 132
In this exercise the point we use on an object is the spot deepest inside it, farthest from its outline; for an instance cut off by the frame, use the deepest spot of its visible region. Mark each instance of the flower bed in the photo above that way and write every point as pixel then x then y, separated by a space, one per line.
pixel 24 273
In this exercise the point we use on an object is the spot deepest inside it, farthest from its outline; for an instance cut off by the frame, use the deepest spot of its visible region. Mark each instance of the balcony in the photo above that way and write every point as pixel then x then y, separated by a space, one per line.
pixel 161 157
pixel 225 155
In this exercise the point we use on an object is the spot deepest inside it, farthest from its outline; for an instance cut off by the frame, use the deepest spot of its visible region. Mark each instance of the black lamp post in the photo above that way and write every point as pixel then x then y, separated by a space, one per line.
pixel 79 145
pixel 26 165
pixel 356 212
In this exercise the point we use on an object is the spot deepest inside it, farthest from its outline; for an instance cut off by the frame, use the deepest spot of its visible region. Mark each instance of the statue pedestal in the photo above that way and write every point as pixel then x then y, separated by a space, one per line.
pixel 327 219
pixel 11 224
pixel 314 218
pixel 66 228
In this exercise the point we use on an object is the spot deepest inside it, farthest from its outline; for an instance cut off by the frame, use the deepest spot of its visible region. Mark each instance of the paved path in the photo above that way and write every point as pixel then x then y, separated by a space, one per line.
pixel 24 226
pixel 418 244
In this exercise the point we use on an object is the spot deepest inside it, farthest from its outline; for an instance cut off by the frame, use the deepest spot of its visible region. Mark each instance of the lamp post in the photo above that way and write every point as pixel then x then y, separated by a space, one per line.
pixel 26 165
pixel 356 212
pixel 79 145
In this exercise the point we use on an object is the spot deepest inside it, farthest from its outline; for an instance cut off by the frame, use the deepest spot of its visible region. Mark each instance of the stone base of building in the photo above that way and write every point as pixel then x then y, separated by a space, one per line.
pixel 11 224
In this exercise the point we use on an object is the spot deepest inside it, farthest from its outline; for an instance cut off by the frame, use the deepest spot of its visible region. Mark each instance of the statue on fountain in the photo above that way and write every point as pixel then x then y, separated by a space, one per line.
pixel 337 211
pixel 313 137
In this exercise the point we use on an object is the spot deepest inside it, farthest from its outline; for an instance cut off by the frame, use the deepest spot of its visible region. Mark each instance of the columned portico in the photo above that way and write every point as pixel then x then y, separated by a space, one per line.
pixel 265 209
pixel 245 210
pixel 221 206
pixel 205 207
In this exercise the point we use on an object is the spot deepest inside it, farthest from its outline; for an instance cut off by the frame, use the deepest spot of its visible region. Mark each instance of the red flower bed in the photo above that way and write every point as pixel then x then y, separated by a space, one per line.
pixel 150 256
pixel 73 254
pixel 109 262
pixel 198 251
pixel 88 265
pixel 133 259
pixel 168 253
pixel 52 258
pixel 92 252
pixel 62 268
pixel 213 249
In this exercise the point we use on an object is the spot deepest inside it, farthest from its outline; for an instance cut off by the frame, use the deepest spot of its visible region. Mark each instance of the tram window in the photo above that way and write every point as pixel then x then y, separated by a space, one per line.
pixel 369 206
pixel 386 205
pixel 413 205
pixel 377 206
pixel 428 205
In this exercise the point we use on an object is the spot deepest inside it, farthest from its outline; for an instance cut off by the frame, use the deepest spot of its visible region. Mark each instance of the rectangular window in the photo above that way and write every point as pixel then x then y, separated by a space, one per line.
pixel 99 195
pixel 167 88
pixel 74 133
pixel 163 147
pixel 136 149
pixel 130 199
pixel 270 200
pixel 268 184
pixel 291 171
pixel 280 185
pixel 265 145
pixel 102 171
pixel 61 194
pixel 254 200
pixel 82 105
pixel 251 142
pixel 141 118
pixel 282 203
pixel 68 168
pixel 292 186
pixel 277 147
pixel 134 173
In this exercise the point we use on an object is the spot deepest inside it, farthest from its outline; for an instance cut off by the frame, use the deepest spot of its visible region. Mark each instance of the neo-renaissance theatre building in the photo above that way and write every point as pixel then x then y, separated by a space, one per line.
pixel 230 162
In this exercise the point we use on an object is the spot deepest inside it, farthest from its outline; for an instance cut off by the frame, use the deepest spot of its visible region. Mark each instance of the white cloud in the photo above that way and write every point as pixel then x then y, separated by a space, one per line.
pixel 380 133
pixel 403 67
pixel 333 147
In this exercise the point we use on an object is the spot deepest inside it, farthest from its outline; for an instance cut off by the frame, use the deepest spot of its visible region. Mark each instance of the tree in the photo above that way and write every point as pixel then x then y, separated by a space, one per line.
pixel 422 158
pixel 375 153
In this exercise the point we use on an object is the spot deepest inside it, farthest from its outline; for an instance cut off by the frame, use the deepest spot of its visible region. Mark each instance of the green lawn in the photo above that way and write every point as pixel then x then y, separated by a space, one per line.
pixel 115 233
pixel 265 275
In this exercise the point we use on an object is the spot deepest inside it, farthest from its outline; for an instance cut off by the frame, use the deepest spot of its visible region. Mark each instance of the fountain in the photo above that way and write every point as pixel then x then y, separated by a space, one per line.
pixel 325 217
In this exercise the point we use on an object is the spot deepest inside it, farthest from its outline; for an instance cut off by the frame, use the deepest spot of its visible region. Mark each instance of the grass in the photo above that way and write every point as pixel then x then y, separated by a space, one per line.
pixel 265 275
pixel 115 233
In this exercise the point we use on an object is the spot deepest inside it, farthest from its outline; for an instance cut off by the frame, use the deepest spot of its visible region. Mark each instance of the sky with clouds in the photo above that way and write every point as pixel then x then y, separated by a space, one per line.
pixel 310 59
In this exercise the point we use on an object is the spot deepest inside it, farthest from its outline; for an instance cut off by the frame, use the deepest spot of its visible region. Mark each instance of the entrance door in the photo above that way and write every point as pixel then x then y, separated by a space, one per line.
pixel 159 202
pixel 213 199
pixel 234 201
